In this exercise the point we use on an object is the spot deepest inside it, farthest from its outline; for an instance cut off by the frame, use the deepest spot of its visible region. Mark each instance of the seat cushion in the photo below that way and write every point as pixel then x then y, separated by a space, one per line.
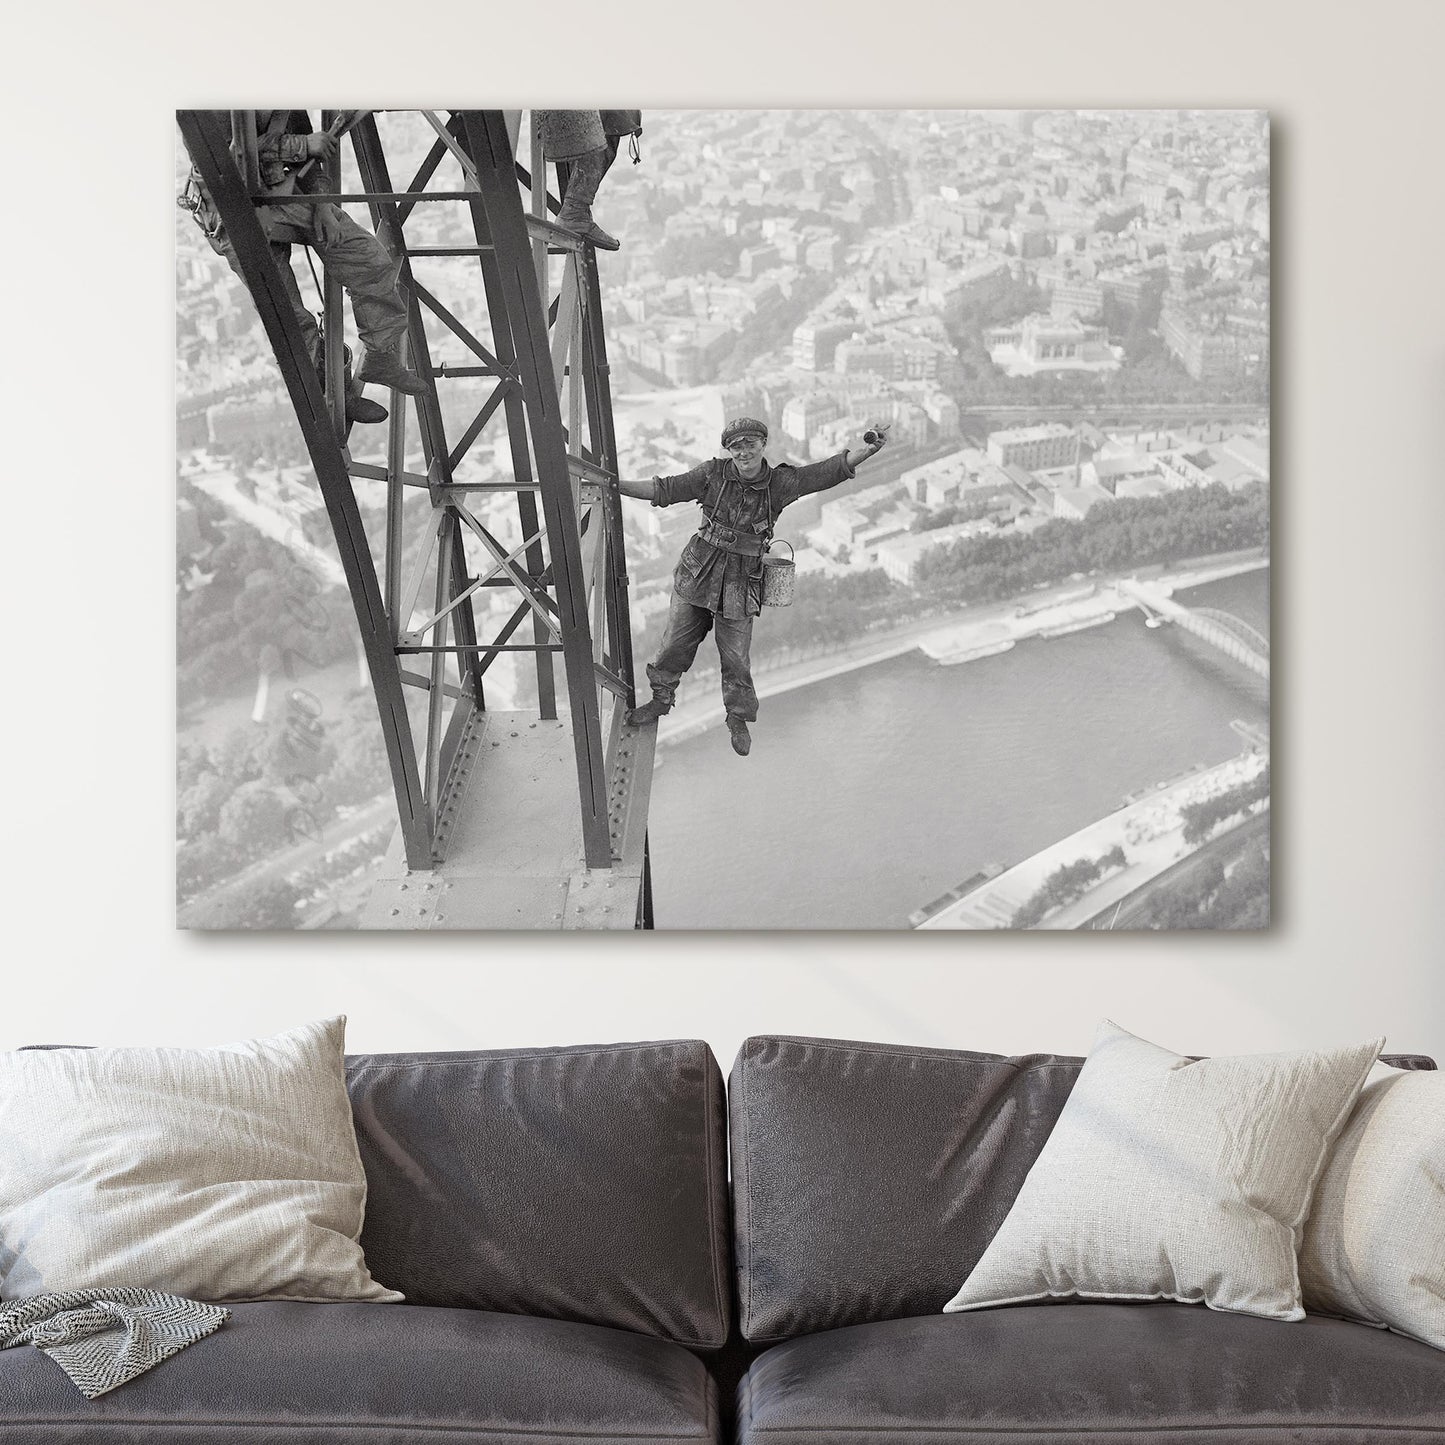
pixel 322 1374
pixel 1102 1373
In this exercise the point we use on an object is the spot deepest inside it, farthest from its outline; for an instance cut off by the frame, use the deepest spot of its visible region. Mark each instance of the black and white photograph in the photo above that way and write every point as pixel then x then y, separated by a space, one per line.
pixel 723 519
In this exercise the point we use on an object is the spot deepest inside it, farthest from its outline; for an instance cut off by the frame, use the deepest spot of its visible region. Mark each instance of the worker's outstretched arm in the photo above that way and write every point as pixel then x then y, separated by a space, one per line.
pixel 643 491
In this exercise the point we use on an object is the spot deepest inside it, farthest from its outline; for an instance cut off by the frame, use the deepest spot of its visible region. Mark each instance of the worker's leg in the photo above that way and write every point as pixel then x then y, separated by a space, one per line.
pixel 734 646
pixel 369 273
pixel 582 182
pixel 686 627
pixel 293 225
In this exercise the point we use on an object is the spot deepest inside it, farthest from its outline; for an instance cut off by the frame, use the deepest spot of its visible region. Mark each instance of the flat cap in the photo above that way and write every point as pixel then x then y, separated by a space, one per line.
pixel 742 426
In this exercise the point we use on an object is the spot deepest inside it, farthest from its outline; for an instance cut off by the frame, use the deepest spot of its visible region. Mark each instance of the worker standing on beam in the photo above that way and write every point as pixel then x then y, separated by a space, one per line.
pixel 587 141
pixel 717 584
pixel 286 147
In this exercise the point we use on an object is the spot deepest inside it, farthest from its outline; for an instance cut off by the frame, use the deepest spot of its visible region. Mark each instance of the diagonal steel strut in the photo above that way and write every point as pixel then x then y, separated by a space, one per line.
pixel 207 138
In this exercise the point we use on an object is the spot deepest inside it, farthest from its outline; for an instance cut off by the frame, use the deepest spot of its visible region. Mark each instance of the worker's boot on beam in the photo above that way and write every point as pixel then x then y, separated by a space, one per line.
pixel 649 712
pixel 384 368
pixel 576 213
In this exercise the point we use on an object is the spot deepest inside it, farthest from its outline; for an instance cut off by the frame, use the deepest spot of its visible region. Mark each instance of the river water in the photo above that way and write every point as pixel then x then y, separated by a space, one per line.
pixel 869 794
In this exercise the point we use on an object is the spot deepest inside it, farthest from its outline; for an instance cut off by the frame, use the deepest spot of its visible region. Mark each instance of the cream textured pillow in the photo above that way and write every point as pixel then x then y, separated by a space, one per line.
pixel 221 1174
pixel 1374 1244
pixel 1171 1179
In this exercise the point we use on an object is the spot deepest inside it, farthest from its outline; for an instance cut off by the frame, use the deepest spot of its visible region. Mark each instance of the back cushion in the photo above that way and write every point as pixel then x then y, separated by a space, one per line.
pixel 869 1178
pixel 573 1183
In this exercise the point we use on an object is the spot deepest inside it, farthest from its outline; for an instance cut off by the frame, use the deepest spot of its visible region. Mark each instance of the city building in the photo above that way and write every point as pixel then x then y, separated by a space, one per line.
pixel 814 343
pixel 1075 503
pixel 803 415
pixel 754 260
pixel 899 556
pixel 1208 349
pixel 1046 343
pixel 824 254
pixel 1251 453
pixel 1028 240
pixel 1109 471
pixel 942 411
pixel 936 483
pixel 1076 297
pixel 979 283
pixel 865 354
pixel 1234 463
pixel 1184 469
pixel 1051 444
pixel 1202 237
pixel 1141 486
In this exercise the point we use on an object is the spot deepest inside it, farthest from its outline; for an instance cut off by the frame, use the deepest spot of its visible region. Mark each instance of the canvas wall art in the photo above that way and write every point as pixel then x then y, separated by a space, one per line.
pixel 723 519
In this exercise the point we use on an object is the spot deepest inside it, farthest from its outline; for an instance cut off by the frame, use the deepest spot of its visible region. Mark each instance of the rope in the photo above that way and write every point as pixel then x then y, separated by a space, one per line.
pixel 316 280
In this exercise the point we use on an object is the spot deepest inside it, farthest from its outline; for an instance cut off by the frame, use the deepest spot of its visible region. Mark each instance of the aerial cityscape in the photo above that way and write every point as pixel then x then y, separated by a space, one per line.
pixel 1030 643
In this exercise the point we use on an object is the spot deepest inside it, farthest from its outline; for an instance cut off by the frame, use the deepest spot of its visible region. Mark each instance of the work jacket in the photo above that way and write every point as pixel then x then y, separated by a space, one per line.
pixel 721 566
pixel 281 149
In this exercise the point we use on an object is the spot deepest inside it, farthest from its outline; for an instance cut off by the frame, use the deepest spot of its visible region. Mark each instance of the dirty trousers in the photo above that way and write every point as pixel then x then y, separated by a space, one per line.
pixel 365 268
pixel 687 625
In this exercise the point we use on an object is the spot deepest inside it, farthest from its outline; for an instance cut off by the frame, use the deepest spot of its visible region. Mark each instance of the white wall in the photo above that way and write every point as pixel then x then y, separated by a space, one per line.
pixel 1360 346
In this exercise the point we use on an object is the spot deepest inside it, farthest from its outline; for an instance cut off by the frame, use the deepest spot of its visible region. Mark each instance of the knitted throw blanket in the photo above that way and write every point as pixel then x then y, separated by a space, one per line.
pixel 103 1337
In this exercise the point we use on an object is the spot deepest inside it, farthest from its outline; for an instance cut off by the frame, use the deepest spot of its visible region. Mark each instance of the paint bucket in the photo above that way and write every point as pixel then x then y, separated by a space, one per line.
pixel 779 577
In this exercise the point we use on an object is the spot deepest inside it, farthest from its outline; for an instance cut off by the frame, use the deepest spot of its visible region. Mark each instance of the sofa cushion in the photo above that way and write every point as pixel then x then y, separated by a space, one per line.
pixel 1105 1374
pixel 573 1183
pixel 323 1374
pixel 221 1173
pixel 869 1178
pixel 1175 1178
pixel 1374 1244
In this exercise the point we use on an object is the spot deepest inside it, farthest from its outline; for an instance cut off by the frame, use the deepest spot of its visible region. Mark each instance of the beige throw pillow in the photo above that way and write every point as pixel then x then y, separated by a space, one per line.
pixel 1167 1178
pixel 1374 1244
pixel 220 1174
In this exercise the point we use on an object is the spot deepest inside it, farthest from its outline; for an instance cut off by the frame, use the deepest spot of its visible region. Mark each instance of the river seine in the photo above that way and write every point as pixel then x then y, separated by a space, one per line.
pixel 869 794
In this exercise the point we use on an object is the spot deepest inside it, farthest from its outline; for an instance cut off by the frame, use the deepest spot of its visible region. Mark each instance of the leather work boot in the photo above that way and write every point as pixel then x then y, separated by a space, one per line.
pixel 362 410
pixel 649 712
pixel 384 368
pixel 742 739
pixel 583 225
pixel 576 213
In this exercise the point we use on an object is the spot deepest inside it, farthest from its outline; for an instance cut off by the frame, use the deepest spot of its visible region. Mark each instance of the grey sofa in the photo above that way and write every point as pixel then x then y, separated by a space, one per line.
pixel 867 1181
pixel 559 1221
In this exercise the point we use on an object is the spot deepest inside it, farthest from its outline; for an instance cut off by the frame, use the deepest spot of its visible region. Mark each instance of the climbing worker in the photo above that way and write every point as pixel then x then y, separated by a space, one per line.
pixel 587 141
pixel 717 584
pixel 286 147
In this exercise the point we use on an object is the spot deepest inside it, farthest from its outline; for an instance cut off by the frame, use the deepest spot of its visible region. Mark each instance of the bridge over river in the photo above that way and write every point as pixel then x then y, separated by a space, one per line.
pixel 1234 638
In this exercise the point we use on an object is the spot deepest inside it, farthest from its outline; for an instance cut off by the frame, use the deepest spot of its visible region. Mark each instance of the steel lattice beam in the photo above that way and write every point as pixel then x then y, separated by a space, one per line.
pixel 486 142
pixel 548 355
